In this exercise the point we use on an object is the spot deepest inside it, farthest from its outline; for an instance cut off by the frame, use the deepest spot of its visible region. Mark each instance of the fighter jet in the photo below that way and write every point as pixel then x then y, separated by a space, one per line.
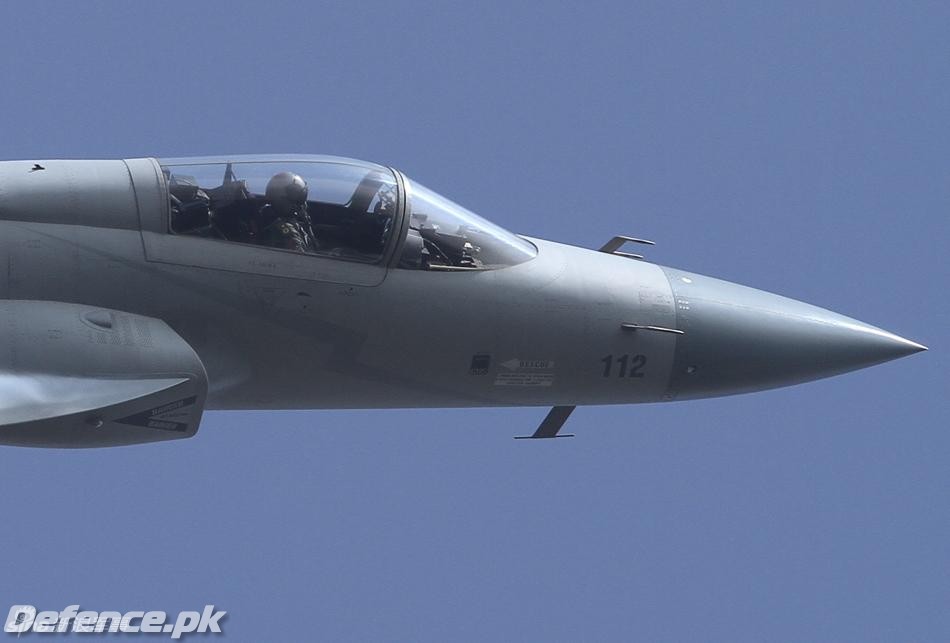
pixel 135 294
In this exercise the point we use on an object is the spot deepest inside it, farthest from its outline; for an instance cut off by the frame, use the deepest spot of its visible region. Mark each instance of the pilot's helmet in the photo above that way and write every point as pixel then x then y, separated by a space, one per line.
pixel 286 188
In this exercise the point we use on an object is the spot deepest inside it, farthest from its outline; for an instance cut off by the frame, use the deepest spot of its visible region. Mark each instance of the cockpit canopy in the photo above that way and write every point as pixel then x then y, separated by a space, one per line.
pixel 347 209
pixel 332 207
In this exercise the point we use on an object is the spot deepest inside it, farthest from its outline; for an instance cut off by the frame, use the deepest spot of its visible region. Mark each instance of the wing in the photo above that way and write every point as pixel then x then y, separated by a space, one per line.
pixel 80 376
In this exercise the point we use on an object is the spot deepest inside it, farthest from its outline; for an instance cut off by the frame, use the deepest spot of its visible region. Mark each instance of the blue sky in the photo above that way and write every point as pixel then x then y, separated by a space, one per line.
pixel 798 148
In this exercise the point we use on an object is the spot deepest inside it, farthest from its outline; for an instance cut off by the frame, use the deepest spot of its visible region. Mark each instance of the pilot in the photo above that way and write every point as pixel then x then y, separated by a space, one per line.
pixel 283 221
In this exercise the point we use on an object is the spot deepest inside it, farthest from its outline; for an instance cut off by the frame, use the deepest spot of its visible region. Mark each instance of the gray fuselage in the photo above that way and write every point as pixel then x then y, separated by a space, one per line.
pixel 279 330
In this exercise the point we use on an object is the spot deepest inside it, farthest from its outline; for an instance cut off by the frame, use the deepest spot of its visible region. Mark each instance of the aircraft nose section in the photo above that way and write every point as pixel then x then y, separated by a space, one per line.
pixel 739 339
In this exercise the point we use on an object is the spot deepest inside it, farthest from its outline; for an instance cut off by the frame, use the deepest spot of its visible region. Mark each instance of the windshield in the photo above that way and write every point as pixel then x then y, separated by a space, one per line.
pixel 445 236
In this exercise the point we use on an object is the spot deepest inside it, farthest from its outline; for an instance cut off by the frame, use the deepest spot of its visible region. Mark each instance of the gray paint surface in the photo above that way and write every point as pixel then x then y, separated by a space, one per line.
pixel 276 329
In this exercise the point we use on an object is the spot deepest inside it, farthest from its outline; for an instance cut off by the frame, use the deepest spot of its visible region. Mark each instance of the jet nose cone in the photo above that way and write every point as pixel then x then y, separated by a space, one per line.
pixel 740 339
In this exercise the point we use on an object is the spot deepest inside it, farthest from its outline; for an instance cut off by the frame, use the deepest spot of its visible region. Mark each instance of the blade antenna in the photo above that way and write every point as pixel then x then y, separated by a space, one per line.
pixel 551 424
pixel 613 246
